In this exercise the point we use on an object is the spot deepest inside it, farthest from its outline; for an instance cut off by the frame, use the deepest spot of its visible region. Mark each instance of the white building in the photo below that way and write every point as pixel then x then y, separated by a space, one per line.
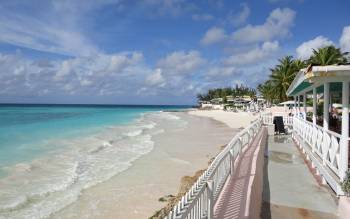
pixel 326 135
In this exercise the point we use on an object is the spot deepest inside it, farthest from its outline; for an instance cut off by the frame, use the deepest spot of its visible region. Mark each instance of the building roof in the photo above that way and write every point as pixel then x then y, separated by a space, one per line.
pixel 312 76
pixel 217 99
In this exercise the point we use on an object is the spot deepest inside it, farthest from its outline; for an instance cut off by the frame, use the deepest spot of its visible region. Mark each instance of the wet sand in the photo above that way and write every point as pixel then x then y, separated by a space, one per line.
pixel 134 193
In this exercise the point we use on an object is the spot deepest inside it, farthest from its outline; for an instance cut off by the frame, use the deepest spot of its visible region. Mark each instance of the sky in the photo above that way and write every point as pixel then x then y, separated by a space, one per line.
pixel 154 51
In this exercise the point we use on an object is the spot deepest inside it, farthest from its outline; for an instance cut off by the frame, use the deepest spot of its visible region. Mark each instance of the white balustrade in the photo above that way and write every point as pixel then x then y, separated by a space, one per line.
pixel 199 201
pixel 268 119
pixel 323 147
pixel 324 143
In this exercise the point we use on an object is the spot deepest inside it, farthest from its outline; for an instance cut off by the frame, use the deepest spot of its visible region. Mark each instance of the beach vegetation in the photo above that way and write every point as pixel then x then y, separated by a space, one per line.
pixel 329 55
pixel 237 91
pixel 282 75
pixel 346 184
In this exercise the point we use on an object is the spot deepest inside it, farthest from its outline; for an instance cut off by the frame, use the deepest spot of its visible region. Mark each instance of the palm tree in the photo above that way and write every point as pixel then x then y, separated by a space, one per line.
pixel 328 56
pixel 299 64
pixel 266 90
pixel 284 73
pixel 282 76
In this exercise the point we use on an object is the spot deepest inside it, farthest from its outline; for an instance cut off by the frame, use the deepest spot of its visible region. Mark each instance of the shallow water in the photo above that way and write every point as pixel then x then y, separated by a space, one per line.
pixel 185 146
pixel 51 154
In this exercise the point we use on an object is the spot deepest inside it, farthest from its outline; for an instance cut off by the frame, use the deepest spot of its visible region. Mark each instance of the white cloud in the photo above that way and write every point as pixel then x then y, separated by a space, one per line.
pixel 101 64
pixel 119 61
pixel 102 73
pixel 221 71
pixel 304 51
pixel 168 7
pixel 180 62
pixel 213 35
pixel 345 39
pixel 85 82
pixel 241 17
pixel 277 25
pixel 156 78
pixel 202 17
pixel 64 70
pixel 255 55
pixel 49 34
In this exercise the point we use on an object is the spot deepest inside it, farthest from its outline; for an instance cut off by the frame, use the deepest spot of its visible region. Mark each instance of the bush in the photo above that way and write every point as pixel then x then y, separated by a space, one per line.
pixel 345 185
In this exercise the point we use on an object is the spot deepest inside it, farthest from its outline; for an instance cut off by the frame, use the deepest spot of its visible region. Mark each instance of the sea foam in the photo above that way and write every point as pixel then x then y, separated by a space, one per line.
pixel 51 182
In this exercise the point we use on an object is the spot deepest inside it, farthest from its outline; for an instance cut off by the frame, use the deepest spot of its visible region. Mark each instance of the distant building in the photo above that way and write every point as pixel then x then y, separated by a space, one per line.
pixel 229 99
pixel 217 101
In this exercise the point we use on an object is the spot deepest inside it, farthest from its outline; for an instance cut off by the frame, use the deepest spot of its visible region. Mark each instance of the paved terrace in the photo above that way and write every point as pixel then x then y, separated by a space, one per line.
pixel 290 189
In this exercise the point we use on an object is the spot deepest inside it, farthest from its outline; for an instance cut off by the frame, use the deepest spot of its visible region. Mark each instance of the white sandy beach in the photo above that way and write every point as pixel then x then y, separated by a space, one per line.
pixel 177 152
pixel 232 119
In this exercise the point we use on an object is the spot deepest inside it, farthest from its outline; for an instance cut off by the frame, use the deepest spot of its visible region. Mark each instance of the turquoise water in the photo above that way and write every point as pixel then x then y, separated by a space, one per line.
pixel 51 153
pixel 25 129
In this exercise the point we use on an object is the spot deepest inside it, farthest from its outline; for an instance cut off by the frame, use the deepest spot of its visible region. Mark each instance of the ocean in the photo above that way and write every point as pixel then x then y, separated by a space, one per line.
pixel 50 153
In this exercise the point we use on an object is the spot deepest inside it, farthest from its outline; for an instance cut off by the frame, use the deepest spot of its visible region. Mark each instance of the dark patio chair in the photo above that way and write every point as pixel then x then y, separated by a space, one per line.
pixel 279 125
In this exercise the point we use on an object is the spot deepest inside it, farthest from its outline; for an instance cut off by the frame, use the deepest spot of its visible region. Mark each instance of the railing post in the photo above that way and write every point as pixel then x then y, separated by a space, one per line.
pixel 232 162
pixel 240 144
pixel 210 186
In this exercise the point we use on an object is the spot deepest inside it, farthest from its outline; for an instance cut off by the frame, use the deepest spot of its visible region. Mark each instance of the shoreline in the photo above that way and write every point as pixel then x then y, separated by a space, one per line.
pixel 177 152
pixel 230 119
pixel 183 144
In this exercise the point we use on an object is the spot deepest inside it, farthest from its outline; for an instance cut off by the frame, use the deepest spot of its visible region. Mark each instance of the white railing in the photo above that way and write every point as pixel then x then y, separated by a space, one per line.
pixel 268 119
pixel 199 201
pixel 322 147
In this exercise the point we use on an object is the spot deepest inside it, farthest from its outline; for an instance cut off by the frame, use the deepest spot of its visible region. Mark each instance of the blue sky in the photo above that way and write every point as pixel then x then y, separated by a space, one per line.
pixel 154 51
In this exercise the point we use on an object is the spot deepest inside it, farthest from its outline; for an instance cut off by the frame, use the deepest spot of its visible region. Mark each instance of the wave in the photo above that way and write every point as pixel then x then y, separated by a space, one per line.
pixel 44 186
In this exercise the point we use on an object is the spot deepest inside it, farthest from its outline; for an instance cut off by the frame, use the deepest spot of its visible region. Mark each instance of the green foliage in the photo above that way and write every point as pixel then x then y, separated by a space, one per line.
pixel 328 56
pixel 283 74
pixel 345 185
pixel 223 92
pixel 281 77
pixel 266 90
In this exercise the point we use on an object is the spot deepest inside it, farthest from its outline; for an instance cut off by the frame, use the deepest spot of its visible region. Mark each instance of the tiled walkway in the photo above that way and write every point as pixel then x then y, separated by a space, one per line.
pixel 233 202
pixel 290 190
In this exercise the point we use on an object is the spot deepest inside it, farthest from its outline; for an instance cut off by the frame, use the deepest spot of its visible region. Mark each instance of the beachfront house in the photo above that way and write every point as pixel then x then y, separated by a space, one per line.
pixel 230 99
pixel 326 136
pixel 216 103
pixel 205 105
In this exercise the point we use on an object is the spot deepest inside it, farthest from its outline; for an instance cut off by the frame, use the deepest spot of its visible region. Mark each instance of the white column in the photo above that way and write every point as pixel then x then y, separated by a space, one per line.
pixel 298 106
pixel 295 105
pixel 314 105
pixel 326 106
pixel 325 120
pixel 314 116
pixel 304 105
pixel 344 147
